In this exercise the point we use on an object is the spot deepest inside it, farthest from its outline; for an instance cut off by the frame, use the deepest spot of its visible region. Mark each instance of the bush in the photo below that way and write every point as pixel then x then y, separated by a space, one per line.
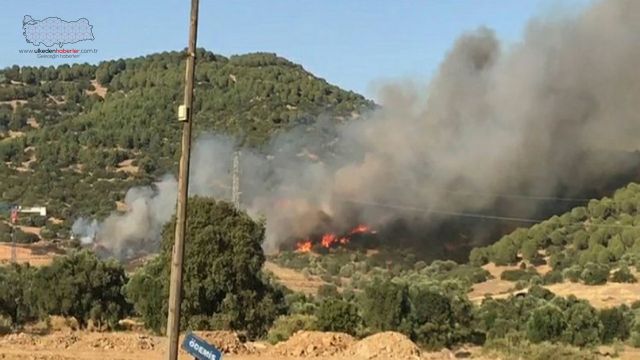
pixel 328 290
pixel 285 326
pixel 504 252
pixel 432 318
pixel 518 274
pixel 583 325
pixel 16 304
pixel 546 323
pixel 635 339
pixel 552 277
pixel 26 238
pixel 478 256
pixel 338 315
pixel 595 274
pixel 616 323
pixel 573 273
pixel 623 275
pixel 516 346
pixel 385 305
pixel 84 287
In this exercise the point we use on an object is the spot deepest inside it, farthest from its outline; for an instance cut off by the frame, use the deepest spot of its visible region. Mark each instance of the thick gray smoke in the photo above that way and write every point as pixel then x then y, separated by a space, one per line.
pixel 535 118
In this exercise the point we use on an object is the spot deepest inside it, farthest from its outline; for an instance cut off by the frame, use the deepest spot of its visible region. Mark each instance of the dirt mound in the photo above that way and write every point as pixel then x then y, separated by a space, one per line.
pixel 58 341
pixel 118 342
pixel 226 341
pixel 313 344
pixel 386 345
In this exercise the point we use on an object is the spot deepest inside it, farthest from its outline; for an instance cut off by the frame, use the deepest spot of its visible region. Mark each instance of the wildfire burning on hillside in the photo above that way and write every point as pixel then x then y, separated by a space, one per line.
pixel 330 240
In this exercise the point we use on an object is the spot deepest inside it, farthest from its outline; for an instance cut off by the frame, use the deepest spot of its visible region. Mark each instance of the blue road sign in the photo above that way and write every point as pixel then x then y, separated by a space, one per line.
pixel 199 348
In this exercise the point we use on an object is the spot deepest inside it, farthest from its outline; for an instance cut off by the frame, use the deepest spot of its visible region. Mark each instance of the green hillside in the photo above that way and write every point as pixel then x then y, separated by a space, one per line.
pixel 62 137
pixel 583 244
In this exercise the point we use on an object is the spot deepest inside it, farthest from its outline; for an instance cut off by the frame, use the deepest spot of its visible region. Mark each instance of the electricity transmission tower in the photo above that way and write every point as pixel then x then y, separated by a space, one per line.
pixel 235 183
pixel 14 220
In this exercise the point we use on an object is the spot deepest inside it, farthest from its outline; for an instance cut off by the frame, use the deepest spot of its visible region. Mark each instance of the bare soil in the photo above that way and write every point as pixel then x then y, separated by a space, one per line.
pixel 37 254
pixel 99 89
pixel 77 345
pixel 127 166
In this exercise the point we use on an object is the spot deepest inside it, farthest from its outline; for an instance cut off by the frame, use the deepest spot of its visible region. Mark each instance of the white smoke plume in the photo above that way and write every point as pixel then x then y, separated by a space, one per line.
pixel 536 118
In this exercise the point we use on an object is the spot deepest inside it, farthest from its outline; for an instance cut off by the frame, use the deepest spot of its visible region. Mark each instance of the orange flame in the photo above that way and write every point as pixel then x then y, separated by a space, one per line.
pixel 328 240
pixel 360 229
pixel 303 246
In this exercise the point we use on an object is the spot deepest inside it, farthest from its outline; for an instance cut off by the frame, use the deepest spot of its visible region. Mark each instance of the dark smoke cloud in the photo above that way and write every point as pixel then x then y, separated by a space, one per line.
pixel 535 118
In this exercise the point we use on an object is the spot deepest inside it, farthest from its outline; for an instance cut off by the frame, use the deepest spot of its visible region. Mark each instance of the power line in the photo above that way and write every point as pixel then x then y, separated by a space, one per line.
pixel 516 196
pixel 475 215
pixel 443 212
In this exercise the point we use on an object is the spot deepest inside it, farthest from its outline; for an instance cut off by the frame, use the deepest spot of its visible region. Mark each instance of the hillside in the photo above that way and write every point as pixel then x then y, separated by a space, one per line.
pixel 75 138
pixel 587 240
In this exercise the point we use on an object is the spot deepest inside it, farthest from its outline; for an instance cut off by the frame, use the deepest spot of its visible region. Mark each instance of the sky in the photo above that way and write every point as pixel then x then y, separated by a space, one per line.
pixel 355 44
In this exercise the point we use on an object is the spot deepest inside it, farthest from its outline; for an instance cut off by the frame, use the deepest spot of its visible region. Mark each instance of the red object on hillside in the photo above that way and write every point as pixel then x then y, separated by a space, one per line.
pixel 14 216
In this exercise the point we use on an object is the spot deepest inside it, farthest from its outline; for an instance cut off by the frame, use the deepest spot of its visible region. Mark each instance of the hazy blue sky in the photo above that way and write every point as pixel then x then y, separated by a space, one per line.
pixel 351 43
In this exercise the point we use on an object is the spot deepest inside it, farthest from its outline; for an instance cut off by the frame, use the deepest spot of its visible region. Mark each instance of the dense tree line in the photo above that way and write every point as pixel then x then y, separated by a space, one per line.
pixel 78 285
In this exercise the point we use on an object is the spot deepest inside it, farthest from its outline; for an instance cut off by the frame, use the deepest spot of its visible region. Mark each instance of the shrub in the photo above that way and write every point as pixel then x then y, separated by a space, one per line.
pixel 583 325
pixel 517 274
pixel 285 326
pixel 552 277
pixel 385 305
pixel 82 286
pixel 623 275
pixel 346 270
pixel 573 273
pixel 635 339
pixel 546 323
pixel 616 323
pixel 504 252
pixel 595 274
pixel 338 315
pixel 328 290
pixel 16 304
pixel 432 318
pixel 478 256
pixel 529 249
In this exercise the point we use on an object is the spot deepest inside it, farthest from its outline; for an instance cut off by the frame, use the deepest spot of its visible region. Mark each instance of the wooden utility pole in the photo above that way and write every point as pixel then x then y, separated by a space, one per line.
pixel 186 116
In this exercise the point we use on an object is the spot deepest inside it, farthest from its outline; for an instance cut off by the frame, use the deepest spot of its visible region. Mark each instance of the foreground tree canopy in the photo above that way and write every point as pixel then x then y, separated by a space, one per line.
pixel 224 287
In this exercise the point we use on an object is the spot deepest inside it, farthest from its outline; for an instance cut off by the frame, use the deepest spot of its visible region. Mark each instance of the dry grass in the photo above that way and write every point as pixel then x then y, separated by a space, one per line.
pixel 14 103
pixel 99 89
pixel 600 296
pixel 33 123
pixel 37 254
pixel 491 287
pixel 127 166
pixel 294 280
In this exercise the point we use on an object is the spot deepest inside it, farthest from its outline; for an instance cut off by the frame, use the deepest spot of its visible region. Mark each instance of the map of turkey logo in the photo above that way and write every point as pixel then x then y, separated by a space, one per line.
pixel 56 31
